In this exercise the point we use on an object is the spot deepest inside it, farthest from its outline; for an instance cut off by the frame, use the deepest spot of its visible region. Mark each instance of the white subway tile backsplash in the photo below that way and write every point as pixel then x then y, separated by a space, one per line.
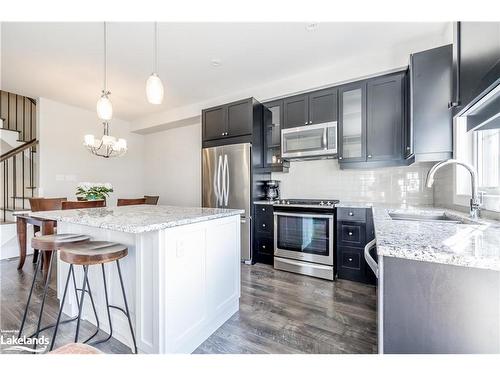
pixel 323 179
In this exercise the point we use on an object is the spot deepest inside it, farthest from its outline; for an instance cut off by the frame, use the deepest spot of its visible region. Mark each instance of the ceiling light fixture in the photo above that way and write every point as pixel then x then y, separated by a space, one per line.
pixel 104 106
pixel 312 26
pixel 107 146
pixel 154 86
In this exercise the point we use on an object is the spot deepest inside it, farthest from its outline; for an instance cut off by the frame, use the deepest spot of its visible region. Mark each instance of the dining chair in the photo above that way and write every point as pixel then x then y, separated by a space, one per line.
pixel 83 204
pixel 130 202
pixel 152 199
pixel 43 204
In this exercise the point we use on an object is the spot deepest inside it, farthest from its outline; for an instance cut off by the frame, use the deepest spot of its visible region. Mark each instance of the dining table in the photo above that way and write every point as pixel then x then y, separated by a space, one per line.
pixel 45 226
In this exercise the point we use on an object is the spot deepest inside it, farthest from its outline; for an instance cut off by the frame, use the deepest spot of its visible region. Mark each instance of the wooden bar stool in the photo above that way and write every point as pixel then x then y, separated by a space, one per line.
pixel 46 245
pixel 94 253
pixel 130 202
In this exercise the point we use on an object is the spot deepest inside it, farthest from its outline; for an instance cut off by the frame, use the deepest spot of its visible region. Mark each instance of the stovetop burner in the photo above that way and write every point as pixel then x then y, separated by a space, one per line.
pixel 307 202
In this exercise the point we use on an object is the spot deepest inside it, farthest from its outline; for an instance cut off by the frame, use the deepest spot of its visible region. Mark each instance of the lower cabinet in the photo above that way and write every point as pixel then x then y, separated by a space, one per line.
pixel 354 231
pixel 263 240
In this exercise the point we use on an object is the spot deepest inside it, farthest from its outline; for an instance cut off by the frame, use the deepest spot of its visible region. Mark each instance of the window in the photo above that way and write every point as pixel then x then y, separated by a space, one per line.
pixel 487 155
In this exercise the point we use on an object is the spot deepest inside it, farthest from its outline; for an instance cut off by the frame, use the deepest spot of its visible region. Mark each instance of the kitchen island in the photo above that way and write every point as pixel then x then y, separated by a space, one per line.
pixel 181 275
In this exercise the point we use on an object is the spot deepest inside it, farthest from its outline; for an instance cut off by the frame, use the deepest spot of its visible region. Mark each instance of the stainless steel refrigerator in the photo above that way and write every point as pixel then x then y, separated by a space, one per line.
pixel 226 183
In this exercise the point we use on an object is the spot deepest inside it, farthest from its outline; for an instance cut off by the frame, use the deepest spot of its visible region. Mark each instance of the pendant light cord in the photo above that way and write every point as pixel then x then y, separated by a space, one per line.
pixel 155 53
pixel 105 60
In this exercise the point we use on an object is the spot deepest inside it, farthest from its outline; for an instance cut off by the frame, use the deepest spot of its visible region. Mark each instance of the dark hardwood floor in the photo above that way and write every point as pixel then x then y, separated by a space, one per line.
pixel 280 312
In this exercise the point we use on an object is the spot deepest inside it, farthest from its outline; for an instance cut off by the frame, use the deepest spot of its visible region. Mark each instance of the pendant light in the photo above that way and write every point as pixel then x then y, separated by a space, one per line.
pixel 154 86
pixel 104 106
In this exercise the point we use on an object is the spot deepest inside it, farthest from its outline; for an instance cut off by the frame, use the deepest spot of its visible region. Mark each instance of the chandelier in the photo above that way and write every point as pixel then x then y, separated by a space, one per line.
pixel 107 146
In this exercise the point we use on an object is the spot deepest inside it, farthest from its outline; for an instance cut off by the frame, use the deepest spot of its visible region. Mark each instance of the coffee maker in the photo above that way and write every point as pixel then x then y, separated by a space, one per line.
pixel 272 190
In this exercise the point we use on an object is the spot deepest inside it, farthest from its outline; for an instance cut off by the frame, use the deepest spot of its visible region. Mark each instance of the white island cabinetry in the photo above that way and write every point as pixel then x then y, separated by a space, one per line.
pixel 181 275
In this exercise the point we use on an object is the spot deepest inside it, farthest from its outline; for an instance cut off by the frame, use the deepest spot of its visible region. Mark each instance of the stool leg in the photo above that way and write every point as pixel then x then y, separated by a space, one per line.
pixel 95 312
pixel 80 307
pixel 35 255
pixel 70 272
pixel 47 282
pixel 107 308
pixel 37 266
pixel 126 305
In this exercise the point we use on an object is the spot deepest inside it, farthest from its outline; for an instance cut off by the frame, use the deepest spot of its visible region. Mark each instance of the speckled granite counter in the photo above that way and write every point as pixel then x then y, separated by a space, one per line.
pixel 137 219
pixel 473 244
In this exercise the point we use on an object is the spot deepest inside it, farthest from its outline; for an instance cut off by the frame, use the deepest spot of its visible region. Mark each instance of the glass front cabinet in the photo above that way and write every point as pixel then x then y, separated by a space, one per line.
pixel 273 122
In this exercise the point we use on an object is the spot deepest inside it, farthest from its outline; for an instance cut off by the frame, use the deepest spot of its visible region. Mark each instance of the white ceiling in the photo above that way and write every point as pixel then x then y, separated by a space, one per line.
pixel 63 61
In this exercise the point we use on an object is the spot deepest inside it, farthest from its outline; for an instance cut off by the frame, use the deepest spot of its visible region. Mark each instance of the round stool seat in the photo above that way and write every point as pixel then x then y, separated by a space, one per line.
pixel 92 252
pixel 52 242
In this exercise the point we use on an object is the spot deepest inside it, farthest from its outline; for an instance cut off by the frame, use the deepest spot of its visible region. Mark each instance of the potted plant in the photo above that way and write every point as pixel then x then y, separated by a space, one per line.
pixel 91 191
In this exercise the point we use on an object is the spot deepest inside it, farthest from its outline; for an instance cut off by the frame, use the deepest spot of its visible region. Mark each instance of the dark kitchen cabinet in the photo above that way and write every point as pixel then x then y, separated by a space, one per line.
pixel 354 231
pixel 316 107
pixel 273 120
pixel 372 120
pixel 263 244
pixel 431 126
pixel 231 123
pixel 352 123
pixel 214 123
pixel 476 62
pixel 296 111
pixel 385 118
pixel 323 106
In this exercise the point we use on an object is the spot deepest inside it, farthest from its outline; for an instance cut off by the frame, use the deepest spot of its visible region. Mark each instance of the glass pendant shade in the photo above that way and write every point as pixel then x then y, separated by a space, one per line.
pixel 104 108
pixel 154 89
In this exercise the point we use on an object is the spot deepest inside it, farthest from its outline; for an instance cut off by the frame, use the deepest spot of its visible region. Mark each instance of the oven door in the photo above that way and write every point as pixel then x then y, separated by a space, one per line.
pixel 304 236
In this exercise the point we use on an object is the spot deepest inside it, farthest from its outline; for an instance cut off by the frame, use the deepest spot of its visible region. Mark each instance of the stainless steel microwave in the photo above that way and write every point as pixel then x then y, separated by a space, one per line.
pixel 310 141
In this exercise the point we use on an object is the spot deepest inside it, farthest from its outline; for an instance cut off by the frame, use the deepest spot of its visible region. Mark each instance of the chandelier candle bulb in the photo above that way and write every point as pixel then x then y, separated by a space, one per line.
pixel 89 140
pixel 154 89
pixel 104 107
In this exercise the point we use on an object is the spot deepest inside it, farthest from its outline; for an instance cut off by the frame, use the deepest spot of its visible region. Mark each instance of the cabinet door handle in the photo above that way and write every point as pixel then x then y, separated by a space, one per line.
pixel 305 123
pixel 263 209
pixel 340 157
pixel 263 246
pixel 369 156
pixel 263 225
pixel 350 259
pixel 350 233
pixel 351 214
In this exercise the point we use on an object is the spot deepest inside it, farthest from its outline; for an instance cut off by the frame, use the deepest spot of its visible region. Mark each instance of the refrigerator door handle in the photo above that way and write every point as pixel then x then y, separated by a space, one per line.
pixel 218 192
pixel 226 180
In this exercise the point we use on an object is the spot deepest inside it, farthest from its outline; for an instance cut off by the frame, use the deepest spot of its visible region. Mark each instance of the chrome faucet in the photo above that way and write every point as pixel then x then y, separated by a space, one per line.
pixel 476 199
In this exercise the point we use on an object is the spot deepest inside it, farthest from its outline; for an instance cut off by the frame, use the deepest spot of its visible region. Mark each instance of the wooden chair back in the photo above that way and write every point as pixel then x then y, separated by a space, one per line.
pixel 152 199
pixel 83 204
pixel 46 204
pixel 130 202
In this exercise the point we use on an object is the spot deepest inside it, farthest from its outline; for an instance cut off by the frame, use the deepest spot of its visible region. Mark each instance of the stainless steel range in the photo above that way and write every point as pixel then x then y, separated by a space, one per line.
pixel 304 236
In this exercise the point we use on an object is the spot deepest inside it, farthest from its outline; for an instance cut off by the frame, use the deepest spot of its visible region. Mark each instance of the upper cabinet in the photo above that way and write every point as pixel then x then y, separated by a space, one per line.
pixel 431 126
pixel 313 108
pixel 476 61
pixel 385 118
pixel 352 123
pixel 273 120
pixel 231 123
pixel 372 121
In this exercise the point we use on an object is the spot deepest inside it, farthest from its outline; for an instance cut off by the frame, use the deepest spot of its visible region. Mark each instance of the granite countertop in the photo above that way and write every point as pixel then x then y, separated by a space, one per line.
pixel 476 243
pixel 137 219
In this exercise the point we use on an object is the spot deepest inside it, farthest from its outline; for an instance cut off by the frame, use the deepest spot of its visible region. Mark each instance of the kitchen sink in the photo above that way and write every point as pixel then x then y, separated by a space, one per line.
pixel 427 217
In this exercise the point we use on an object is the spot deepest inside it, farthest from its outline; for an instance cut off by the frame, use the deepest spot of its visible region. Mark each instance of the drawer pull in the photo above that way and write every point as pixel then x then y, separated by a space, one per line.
pixel 263 225
pixel 350 233
pixel 351 213
pixel 350 259
pixel 263 209
pixel 263 246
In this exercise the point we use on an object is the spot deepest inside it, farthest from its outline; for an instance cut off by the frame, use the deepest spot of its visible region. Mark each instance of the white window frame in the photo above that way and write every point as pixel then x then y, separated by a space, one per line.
pixel 465 149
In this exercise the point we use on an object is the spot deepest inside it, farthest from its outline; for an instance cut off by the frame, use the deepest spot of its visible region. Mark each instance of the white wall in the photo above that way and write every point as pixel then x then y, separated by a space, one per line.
pixel 172 165
pixel 64 161
pixel 323 179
